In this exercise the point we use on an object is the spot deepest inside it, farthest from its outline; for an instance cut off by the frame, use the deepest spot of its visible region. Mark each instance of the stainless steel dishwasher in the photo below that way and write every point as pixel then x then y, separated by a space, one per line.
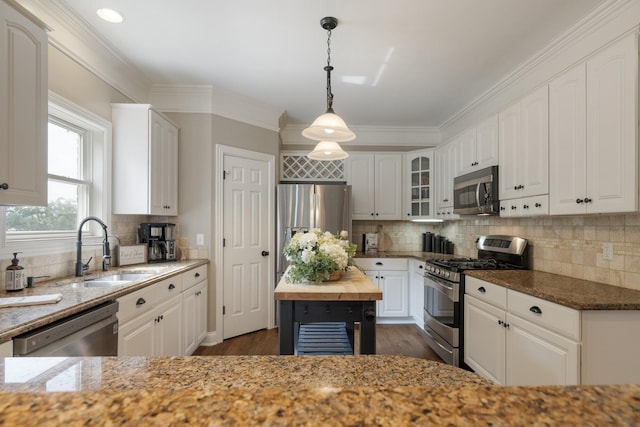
pixel 93 332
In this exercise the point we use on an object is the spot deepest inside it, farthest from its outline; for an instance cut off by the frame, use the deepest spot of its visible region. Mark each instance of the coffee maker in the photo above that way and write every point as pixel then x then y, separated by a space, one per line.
pixel 160 239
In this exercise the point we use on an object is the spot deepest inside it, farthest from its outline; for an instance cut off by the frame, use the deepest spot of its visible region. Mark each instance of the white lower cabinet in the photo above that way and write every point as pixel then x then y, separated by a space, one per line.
pixel 194 309
pixel 392 277
pixel 167 318
pixel 155 333
pixel 6 349
pixel 516 339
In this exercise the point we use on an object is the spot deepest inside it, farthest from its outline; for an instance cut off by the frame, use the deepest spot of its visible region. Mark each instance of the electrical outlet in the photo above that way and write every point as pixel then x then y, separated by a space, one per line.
pixel 607 251
pixel 200 239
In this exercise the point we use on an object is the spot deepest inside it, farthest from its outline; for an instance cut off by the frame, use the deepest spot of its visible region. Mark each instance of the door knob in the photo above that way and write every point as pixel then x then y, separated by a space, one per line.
pixel 265 253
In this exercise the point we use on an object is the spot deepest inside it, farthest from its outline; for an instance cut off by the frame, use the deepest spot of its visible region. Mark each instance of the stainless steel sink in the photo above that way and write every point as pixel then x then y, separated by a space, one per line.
pixel 104 283
pixel 111 280
pixel 126 277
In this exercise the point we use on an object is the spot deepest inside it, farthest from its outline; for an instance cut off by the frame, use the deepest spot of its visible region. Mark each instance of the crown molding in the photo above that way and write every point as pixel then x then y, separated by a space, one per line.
pixel 215 100
pixel 372 135
pixel 608 22
pixel 74 37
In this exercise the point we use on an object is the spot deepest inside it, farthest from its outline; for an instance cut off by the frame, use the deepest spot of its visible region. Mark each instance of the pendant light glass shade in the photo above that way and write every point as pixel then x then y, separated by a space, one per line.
pixel 327 150
pixel 329 127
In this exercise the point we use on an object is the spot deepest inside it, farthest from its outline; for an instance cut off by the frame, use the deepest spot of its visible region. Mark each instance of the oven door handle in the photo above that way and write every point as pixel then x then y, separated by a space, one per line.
pixel 438 344
pixel 441 286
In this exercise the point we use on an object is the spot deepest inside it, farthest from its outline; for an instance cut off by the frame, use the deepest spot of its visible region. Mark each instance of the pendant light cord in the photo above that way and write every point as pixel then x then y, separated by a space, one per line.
pixel 328 69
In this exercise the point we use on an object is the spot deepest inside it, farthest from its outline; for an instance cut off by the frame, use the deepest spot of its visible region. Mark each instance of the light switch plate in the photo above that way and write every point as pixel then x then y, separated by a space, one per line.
pixel 607 251
pixel 200 239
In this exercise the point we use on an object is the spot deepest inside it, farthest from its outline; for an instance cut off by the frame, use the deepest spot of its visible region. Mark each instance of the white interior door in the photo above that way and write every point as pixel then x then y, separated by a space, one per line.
pixel 247 263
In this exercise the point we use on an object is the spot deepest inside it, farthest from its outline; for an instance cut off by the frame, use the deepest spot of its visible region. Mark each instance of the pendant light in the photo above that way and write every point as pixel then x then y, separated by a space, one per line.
pixel 328 128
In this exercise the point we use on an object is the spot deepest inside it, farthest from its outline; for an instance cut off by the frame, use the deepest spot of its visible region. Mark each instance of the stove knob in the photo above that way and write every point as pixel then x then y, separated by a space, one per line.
pixel 437 271
pixel 447 274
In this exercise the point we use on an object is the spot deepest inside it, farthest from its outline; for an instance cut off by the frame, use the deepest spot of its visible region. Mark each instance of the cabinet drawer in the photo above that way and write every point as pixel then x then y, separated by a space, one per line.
pixel 556 317
pixel 383 263
pixel 167 288
pixel 194 276
pixel 487 292
pixel 137 303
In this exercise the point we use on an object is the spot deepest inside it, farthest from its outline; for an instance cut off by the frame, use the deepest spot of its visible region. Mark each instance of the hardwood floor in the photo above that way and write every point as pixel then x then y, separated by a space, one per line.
pixel 404 340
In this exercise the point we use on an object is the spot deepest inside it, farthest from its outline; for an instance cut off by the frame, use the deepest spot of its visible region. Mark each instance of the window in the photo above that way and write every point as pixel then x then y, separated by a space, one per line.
pixel 69 184
pixel 78 175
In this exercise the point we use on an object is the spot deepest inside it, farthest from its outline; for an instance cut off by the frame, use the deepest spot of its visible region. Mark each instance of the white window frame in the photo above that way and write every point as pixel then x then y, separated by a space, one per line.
pixel 99 133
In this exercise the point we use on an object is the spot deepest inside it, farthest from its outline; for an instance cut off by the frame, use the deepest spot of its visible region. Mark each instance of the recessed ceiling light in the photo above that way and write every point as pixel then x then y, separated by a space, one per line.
pixel 110 15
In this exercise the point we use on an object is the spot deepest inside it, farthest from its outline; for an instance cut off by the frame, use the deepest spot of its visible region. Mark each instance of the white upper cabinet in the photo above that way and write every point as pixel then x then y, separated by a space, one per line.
pixel 376 181
pixel 593 134
pixel 524 147
pixel 23 108
pixel 478 147
pixel 419 191
pixel 145 161
pixel 446 169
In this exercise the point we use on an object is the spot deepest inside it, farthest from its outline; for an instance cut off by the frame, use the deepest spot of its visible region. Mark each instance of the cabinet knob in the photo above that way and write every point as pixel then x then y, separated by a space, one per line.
pixel 4 186
pixel 538 205
pixel 513 207
pixel 370 314
pixel 482 290
pixel 525 206
pixel 515 187
pixel 372 214
pixel 587 200
pixel 502 208
pixel 578 201
pixel 172 286
pixel 140 301
pixel 197 275
pixel 378 263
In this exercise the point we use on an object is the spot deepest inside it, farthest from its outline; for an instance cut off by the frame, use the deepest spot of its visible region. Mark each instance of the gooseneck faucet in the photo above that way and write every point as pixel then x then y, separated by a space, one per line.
pixel 106 253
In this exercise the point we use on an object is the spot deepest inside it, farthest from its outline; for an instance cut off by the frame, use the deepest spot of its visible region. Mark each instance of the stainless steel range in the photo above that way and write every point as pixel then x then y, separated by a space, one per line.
pixel 444 291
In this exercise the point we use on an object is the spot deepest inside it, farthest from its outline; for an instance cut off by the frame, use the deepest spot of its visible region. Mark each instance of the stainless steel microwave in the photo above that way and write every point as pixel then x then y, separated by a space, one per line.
pixel 476 193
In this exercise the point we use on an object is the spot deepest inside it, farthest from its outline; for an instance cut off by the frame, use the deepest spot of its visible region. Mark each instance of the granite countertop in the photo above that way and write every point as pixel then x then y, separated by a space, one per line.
pixel 353 286
pixel 18 320
pixel 575 293
pixel 290 390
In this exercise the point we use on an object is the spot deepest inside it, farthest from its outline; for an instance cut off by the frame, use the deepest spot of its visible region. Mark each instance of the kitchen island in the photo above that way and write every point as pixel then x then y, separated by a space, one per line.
pixel 289 390
pixel 349 299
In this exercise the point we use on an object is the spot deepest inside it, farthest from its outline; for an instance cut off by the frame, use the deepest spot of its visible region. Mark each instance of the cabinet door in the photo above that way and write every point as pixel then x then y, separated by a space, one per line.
pixel 568 142
pixel 169 328
pixel 194 313
pixel 509 142
pixel 395 293
pixel 537 356
pixel 23 110
pixel 484 339
pixel 138 337
pixel 467 155
pixel 388 186
pixel 171 166
pixel 534 157
pixel 612 178
pixel 201 311
pixel 163 167
pixel 420 185
pixel 360 175
pixel 487 142
pixel 189 307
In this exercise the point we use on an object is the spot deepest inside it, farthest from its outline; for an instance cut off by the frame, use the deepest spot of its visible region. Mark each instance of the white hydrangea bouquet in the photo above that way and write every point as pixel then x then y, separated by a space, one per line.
pixel 316 256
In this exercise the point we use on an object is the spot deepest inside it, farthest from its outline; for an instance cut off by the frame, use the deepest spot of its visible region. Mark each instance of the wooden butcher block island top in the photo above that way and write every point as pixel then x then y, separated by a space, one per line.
pixel 354 286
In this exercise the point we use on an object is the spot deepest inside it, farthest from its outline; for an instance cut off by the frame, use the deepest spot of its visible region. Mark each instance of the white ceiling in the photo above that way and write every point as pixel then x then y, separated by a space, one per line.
pixel 397 63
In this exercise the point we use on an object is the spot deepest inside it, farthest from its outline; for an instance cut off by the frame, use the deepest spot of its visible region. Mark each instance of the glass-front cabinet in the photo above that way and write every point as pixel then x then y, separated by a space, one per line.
pixel 420 185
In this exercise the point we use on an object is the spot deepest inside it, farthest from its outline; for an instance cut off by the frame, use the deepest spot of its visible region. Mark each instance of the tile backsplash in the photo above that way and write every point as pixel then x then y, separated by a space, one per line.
pixel 567 245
